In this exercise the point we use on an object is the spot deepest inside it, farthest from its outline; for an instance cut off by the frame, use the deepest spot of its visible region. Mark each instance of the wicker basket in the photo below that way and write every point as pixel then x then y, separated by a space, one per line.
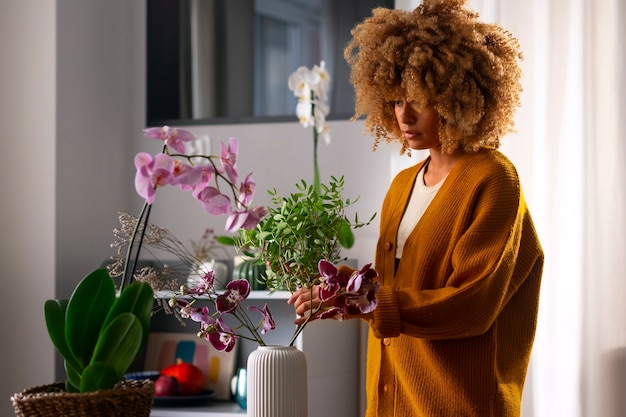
pixel 128 399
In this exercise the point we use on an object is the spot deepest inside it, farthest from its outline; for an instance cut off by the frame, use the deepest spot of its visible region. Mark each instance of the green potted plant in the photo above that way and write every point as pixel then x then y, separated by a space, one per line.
pixel 299 230
pixel 98 333
pixel 99 340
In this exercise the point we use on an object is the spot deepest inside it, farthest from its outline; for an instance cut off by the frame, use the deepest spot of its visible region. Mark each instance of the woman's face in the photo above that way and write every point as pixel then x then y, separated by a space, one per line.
pixel 420 128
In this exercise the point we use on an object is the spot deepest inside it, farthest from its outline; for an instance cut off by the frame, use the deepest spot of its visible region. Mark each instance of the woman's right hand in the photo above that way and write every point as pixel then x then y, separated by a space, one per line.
pixel 304 301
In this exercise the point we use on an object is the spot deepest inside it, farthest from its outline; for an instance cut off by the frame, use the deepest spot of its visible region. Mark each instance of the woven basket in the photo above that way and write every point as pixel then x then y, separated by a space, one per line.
pixel 128 399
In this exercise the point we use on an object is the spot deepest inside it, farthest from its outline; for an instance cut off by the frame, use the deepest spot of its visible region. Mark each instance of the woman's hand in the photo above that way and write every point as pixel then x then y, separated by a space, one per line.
pixel 305 301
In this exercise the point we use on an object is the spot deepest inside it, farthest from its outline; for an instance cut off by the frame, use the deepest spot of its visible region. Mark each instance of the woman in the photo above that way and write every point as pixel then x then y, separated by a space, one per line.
pixel 458 257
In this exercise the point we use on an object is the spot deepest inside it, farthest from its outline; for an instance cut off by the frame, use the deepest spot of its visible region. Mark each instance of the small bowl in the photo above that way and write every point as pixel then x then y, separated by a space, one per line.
pixel 141 375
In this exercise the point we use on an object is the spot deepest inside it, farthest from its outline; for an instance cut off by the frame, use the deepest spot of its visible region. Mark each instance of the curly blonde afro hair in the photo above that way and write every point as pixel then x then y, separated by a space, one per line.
pixel 440 55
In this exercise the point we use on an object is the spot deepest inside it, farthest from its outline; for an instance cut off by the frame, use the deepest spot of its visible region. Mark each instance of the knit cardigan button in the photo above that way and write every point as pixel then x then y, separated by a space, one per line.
pixel 386 341
pixel 388 246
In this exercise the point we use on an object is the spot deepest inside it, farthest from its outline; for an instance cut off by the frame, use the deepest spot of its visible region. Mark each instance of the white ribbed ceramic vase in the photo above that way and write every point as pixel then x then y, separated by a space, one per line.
pixel 277 382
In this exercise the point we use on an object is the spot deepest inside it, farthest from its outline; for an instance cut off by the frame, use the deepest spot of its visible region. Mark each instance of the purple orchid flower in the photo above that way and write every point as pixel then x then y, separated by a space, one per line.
pixel 366 273
pixel 268 320
pixel 357 291
pixel 332 313
pixel 236 291
pixel 224 340
pixel 204 284
pixel 221 337
pixel 332 281
pixel 187 311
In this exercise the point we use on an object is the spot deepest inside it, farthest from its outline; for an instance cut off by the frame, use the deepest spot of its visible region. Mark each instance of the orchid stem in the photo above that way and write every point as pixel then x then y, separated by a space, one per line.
pixel 317 187
pixel 143 215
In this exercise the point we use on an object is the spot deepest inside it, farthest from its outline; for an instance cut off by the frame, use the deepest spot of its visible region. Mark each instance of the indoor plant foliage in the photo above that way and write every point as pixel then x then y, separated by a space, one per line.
pixel 299 230
pixel 99 340
pixel 98 333
pixel 214 185
pixel 300 242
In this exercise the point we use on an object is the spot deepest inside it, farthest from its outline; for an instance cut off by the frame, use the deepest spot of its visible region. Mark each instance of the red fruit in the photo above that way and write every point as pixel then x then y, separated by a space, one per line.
pixel 166 386
pixel 190 377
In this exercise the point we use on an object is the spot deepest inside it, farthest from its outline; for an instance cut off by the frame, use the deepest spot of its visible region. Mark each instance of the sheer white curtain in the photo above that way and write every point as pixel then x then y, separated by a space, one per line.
pixel 604 327
pixel 570 149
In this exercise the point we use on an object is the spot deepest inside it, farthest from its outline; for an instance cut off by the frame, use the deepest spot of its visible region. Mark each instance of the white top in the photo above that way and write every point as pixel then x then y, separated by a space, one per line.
pixel 421 196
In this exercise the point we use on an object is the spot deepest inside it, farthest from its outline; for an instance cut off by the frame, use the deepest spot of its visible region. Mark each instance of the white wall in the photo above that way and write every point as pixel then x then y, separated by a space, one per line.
pixel 95 58
pixel 72 90
pixel 27 166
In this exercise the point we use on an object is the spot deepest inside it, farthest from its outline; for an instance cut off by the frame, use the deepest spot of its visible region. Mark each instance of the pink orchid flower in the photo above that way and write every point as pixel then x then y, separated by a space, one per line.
pixel 245 219
pixel 246 190
pixel 213 201
pixel 186 176
pixel 152 173
pixel 229 159
pixel 173 137
pixel 207 173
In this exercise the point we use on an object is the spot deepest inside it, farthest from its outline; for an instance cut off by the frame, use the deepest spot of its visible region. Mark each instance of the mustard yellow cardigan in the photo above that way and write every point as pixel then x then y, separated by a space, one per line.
pixel 454 327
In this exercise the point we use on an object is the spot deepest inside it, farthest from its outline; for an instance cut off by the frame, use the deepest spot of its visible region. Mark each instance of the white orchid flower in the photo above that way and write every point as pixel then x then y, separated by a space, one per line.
pixel 311 88
pixel 321 89
pixel 302 81
pixel 304 113
pixel 324 132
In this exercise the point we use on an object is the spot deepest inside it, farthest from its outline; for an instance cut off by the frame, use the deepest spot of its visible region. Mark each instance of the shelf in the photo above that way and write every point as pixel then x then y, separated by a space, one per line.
pixel 215 409
pixel 254 295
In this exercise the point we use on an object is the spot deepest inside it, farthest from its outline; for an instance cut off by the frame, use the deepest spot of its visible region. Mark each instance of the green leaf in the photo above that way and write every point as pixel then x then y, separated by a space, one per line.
pixel 86 311
pixel 70 388
pixel 346 237
pixel 54 312
pixel 226 240
pixel 119 343
pixel 97 376
pixel 138 299
pixel 73 378
pixel 264 235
